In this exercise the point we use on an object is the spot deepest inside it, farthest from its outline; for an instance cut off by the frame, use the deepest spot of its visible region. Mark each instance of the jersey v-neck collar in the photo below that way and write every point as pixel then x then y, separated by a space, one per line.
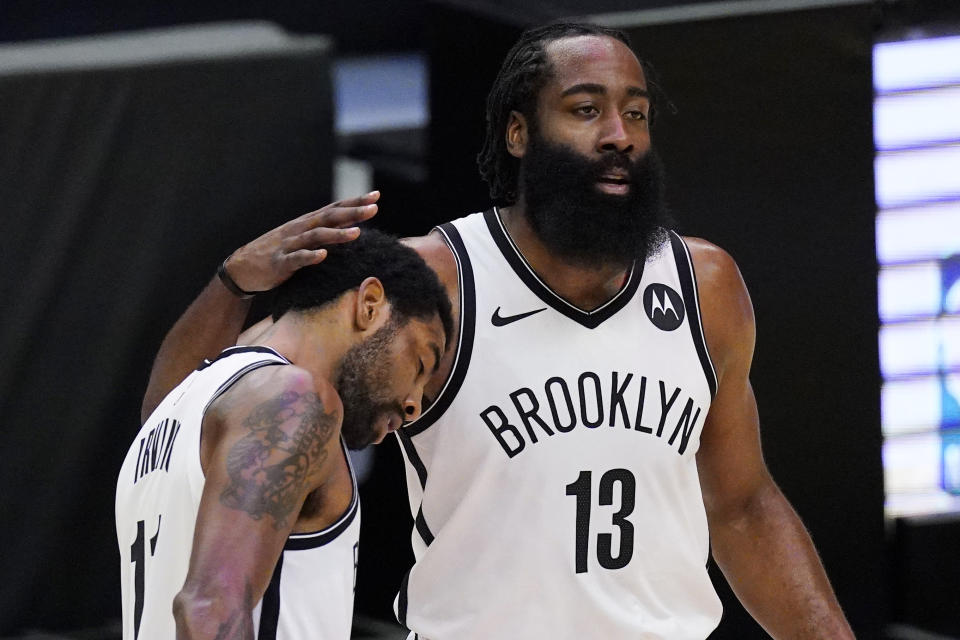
pixel 589 319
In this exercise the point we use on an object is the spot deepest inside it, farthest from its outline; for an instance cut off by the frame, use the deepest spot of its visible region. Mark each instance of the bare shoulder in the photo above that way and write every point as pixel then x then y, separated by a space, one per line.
pixel 282 385
pixel 715 268
pixel 281 405
pixel 435 252
pixel 727 311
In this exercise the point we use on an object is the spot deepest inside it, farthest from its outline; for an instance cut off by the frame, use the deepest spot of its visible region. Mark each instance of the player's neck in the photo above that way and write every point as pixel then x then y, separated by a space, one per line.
pixel 303 341
pixel 584 287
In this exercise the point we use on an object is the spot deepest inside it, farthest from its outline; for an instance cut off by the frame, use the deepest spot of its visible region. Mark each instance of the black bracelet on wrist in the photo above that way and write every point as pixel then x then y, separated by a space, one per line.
pixel 230 284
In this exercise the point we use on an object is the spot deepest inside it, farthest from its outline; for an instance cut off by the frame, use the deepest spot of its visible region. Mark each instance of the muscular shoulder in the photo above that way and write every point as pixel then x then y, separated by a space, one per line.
pixel 727 312
pixel 283 386
pixel 435 252
pixel 276 404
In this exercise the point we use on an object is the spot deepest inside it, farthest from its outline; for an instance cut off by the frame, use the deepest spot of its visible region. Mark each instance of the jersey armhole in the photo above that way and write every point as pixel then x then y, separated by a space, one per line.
pixel 691 300
pixel 468 309
pixel 314 539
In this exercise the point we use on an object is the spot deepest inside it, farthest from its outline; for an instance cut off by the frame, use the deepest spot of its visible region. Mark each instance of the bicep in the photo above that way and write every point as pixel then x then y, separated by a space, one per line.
pixel 234 551
pixel 246 512
pixel 730 460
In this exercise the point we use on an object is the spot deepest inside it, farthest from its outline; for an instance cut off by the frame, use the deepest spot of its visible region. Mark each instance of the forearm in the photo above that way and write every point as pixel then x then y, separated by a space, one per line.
pixel 770 562
pixel 215 318
pixel 210 324
pixel 199 618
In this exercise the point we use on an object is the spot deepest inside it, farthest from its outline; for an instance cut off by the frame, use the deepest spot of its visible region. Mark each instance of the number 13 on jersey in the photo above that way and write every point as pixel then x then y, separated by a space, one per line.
pixel 582 489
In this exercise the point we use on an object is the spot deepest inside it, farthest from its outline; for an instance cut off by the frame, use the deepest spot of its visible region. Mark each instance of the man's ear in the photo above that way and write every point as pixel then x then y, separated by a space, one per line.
pixel 371 304
pixel 517 134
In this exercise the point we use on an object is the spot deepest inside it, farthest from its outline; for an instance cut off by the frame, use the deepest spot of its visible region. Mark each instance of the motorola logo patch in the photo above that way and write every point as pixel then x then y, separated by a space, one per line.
pixel 663 306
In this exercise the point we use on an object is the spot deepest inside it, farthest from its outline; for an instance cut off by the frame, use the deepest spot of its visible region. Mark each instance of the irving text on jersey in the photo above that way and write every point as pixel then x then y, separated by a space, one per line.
pixel 155 448
pixel 559 406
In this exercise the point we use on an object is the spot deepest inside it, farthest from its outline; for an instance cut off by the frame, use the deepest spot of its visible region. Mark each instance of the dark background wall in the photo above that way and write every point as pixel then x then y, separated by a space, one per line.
pixel 768 149
pixel 356 25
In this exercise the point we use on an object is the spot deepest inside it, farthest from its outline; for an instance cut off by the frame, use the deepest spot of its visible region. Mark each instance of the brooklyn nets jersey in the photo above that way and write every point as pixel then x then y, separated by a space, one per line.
pixel 553 481
pixel 158 494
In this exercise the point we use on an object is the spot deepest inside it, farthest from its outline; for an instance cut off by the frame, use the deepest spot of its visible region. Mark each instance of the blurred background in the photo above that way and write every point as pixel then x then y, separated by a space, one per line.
pixel 818 141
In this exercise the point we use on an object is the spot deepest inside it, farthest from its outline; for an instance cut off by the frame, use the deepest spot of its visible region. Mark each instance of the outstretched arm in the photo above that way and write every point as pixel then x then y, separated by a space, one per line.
pixel 267 445
pixel 214 319
pixel 756 537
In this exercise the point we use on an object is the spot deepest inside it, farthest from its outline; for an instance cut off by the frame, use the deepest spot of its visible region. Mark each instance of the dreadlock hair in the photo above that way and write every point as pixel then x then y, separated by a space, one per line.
pixel 411 287
pixel 523 74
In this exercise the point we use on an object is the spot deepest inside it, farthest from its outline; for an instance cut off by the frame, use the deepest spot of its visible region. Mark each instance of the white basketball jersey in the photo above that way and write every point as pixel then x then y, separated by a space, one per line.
pixel 553 481
pixel 310 595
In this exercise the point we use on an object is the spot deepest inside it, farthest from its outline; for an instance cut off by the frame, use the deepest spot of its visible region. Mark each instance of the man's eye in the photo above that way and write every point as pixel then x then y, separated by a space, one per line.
pixel 586 110
pixel 636 115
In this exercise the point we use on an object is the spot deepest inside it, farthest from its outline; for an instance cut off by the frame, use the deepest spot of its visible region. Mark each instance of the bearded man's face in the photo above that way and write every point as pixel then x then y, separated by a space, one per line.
pixel 593 211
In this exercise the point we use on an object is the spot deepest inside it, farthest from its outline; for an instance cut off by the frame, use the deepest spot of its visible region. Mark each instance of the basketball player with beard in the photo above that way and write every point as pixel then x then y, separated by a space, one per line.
pixel 592 434
pixel 237 510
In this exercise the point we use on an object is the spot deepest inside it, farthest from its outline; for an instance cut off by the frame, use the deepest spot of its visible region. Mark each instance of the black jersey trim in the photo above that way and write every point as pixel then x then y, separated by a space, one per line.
pixel 468 312
pixel 413 456
pixel 270 607
pixel 589 319
pixel 229 351
pixel 302 541
pixel 420 523
pixel 691 300
pixel 422 527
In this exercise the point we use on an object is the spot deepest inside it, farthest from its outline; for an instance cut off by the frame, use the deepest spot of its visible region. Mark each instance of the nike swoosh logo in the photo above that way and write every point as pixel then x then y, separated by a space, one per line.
pixel 500 321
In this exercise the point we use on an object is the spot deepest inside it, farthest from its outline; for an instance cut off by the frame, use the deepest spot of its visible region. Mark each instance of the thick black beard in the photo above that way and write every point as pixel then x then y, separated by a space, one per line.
pixel 364 375
pixel 583 225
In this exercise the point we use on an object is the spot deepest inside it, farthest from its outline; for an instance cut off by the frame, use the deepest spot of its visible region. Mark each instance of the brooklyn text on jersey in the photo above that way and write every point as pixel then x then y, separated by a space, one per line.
pixel 592 401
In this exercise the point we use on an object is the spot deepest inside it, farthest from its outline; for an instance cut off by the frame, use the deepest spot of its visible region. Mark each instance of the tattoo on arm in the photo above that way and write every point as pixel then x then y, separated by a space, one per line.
pixel 268 466
pixel 239 626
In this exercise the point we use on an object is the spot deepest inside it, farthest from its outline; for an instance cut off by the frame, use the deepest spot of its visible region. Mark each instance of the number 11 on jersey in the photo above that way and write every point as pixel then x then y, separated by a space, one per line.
pixel 582 489
pixel 138 556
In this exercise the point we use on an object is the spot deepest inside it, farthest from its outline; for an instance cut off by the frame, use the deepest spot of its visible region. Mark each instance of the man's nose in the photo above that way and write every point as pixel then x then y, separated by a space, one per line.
pixel 614 135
